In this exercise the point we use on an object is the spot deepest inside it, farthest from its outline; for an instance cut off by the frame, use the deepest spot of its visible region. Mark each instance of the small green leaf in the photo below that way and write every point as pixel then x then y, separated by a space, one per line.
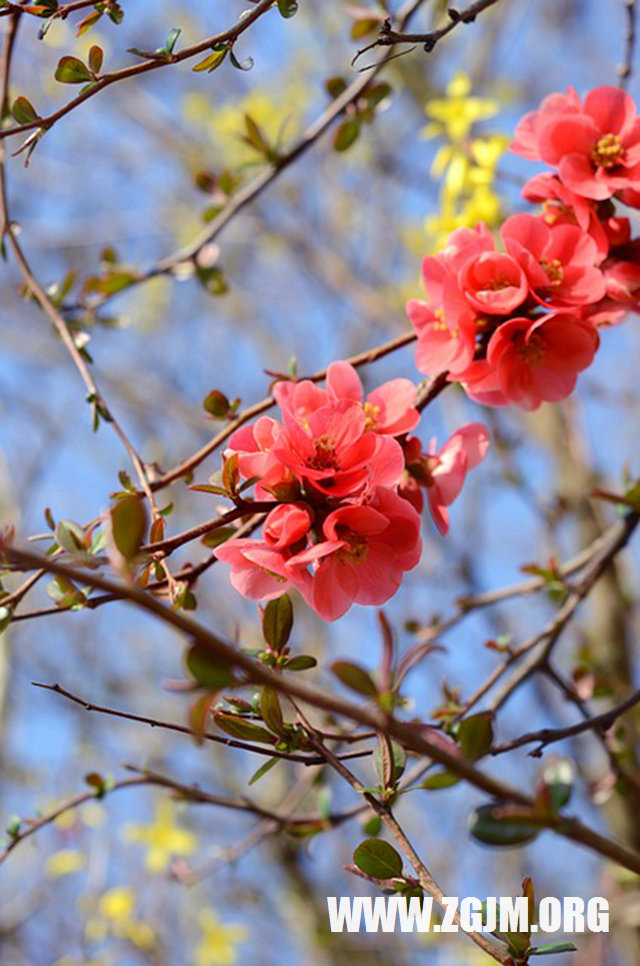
pixel 288 8
pixel 170 42
pixel 302 662
pixel 550 948
pixel 70 537
pixel 502 825
pixel 128 524
pixel 239 727
pixel 377 858
pixel 346 134
pixel 23 111
pixel 277 622
pixel 217 537
pixel 271 711
pixel 240 65
pixel 373 825
pixel 211 61
pixel 207 669
pixel 475 735
pixel 70 70
pixel 96 56
pixel 262 770
pixel 216 403
pixel 440 779
pixel 355 677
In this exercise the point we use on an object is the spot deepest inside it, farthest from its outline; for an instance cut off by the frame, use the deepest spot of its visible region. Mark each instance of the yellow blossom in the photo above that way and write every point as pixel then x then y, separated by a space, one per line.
pixel 217 946
pixel 162 836
pixel 64 862
pixel 454 114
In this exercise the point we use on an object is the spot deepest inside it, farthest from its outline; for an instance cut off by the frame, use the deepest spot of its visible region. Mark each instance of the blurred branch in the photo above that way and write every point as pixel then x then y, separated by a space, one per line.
pixel 254 188
pixel 626 68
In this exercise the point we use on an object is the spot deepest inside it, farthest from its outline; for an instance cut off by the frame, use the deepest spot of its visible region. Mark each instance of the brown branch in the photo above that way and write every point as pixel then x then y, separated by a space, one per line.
pixel 106 80
pixel 599 723
pixel 626 68
pixel 542 643
pixel 425 877
pixel 264 750
pixel 361 359
pixel 389 37
pixel 412 735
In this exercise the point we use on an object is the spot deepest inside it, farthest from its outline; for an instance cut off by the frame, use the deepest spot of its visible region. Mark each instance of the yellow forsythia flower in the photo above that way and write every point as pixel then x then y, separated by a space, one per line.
pixel 64 862
pixel 217 946
pixel 163 837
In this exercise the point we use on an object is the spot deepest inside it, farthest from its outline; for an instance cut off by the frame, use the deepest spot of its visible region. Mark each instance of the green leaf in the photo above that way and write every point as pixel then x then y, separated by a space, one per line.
pixel 302 662
pixel 377 858
pixel 335 86
pixel 262 770
pixel 271 711
pixel 364 26
pixel 440 779
pixel 217 537
pixel 373 825
pixel 170 42
pixel 550 948
pixel 346 134
pixel 288 8
pixel 70 537
pixel 240 65
pixel 239 727
pixel 199 715
pixel 389 760
pixel 96 56
pixel 554 784
pixel 355 677
pixel 212 280
pixel 23 111
pixel 206 668
pixel 475 735
pixel 216 403
pixel 502 825
pixel 70 70
pixel 211 61
pixel 128 524
pixel 277 622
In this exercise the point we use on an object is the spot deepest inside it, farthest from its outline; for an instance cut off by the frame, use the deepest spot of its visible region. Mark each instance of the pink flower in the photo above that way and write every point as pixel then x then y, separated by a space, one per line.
pixel 443 346
pixel 539 361
pixel 259 571
pixel 388 410
pixel 481 383
pixel 442 473
pixel 561 206
pixel 365 552
pixel 335 454
pixel 559 262
pixel 526 137
pixel 287 524
pixel 595 146
pixel 493 283
pixel 254 445
pixel 622 274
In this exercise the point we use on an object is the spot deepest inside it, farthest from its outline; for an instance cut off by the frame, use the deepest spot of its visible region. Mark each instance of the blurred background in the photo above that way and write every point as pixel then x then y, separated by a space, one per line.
pixel 318 268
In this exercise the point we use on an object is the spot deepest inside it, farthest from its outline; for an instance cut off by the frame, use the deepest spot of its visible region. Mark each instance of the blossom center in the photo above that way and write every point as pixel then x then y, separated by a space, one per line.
pixel 371 413
pixel 607 152
pixel 325 457
pixel 533 351
pixel 357 550
pixel 554 270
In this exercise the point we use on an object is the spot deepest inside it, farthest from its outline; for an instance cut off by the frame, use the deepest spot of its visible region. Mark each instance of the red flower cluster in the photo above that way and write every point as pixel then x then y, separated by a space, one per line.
pixel 338 469
pixel 516 324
